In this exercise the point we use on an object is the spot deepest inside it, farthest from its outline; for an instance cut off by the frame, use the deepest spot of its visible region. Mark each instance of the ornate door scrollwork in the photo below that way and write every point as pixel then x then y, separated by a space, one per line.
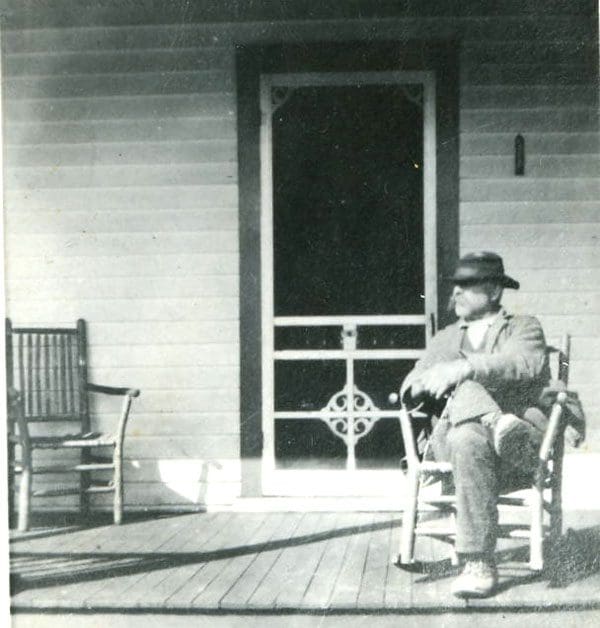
pixel 362 423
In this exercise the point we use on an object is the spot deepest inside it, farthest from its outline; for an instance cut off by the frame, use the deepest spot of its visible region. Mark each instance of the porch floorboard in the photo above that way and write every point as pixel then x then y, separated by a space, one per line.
pixel 278 562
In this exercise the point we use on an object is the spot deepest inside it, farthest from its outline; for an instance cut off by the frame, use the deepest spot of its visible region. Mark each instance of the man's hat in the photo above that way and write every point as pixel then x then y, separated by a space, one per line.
pixel 482 266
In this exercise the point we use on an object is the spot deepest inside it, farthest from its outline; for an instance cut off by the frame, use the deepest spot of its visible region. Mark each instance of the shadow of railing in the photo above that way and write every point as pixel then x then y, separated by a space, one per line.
pixel 55 568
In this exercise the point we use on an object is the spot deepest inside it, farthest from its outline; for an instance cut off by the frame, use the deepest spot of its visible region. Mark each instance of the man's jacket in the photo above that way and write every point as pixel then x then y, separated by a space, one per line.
pixel 512 367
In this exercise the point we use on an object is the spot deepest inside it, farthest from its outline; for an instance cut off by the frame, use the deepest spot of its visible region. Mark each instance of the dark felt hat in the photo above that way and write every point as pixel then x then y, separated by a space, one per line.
pixel 482 266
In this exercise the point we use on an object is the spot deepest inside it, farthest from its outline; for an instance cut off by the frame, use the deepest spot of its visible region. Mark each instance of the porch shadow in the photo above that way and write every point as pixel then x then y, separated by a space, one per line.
pixel 575 557
pixel 61 523
pixel 114 564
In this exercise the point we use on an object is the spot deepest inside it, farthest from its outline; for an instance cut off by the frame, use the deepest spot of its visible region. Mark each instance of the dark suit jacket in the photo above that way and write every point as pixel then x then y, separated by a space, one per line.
pixel 512 368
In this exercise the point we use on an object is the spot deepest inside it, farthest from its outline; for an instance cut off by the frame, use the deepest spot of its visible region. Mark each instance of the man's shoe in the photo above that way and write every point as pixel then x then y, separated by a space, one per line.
pixel 478 579
pixel 512 437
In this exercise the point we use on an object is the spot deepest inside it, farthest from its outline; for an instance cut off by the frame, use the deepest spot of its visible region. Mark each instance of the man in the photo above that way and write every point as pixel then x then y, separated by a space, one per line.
pixel 492 366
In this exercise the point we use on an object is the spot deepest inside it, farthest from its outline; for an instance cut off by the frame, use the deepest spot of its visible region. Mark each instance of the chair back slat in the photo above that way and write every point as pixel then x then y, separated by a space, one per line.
pixel 82 374
pixel 46 368
pixel 62 372
pixel 55 374
pixel 47 371
pixel 29 371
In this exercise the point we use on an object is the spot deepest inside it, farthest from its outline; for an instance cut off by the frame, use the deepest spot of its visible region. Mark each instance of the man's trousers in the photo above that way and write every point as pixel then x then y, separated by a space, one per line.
pixel 479 474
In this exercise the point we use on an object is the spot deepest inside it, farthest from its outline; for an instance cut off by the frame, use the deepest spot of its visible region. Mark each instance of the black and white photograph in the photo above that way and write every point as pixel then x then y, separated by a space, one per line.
pixel 302 313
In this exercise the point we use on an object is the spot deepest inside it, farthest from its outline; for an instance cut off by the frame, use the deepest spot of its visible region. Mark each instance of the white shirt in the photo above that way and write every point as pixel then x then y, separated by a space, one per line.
pixel 476 330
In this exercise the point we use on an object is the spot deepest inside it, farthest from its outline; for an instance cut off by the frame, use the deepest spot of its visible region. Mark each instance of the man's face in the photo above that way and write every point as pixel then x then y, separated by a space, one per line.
pixel 475 300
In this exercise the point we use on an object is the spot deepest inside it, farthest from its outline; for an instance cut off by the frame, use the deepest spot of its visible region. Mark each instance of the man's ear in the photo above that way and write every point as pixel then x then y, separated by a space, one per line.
pixel 496 293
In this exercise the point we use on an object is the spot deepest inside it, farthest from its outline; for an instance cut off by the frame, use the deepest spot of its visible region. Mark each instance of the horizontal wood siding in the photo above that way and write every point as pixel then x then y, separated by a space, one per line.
pixel 121 195
pixel 122 201
pixel 546 224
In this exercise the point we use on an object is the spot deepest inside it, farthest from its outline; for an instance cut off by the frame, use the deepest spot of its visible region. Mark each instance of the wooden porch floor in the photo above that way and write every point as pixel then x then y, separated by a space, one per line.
pixel 277 562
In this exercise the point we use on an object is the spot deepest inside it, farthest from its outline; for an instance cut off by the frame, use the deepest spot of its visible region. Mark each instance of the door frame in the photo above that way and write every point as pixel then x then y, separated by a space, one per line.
pixel 252 61
pixel 328 483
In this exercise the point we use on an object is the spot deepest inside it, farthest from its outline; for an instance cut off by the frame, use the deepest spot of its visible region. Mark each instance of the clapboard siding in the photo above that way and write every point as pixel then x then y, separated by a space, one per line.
pixel 148 198
pixel 121 288
pixel 46 111
pixel 520 96
pixel 122 197
pixel 577 189
pixel 198 309
pixel 114 130
pixel 176 423
pixel 555 53
pixel 97 84
pixel 528 212
pixel 118 61
pixel 546 224
pixel 527 73
pixel 143 152
pixel 193 264
pixel 115 176
pixel 542 166
pixel 578 234
pixel 126 220
pixel 83 243
pixel 482 142
pixel 538 119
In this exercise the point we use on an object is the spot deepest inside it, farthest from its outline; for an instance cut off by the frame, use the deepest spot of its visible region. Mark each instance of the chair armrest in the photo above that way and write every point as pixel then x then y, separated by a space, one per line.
pixel 113 390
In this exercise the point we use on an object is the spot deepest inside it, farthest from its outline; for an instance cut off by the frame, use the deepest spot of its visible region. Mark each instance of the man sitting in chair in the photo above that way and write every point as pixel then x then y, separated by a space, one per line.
pixel 492 366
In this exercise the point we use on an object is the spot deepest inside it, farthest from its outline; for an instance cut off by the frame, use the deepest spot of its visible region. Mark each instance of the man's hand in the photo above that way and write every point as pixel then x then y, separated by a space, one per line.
pixel 573 437
pixel 440 378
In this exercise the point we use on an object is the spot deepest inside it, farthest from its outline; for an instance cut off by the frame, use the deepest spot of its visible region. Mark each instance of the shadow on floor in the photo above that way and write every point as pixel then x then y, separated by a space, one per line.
pixel 32 569
pixel 59 523
pixel 575 556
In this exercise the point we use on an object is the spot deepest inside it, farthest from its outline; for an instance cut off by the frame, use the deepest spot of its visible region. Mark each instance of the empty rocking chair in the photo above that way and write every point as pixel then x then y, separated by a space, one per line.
pixel 48 390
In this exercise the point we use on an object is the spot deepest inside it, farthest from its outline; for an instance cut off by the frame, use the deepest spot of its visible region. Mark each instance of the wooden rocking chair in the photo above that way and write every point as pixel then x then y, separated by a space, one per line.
pixel 547 479
pixel 48 390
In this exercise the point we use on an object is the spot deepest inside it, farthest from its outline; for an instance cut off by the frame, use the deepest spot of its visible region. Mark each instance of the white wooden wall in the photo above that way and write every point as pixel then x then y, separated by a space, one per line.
pixel 121 206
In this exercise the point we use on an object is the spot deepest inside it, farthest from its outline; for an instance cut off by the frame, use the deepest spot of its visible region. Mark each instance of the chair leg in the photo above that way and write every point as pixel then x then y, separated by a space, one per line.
pixel 536 541
pixel 84 484
pixel 118 481
pixel 556 503
pixel 11 485
pixel 25 493
pixel 409 519
pixel 454 559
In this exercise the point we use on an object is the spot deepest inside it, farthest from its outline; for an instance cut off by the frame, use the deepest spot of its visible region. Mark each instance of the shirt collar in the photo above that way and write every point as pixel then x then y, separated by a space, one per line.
pixel 490 320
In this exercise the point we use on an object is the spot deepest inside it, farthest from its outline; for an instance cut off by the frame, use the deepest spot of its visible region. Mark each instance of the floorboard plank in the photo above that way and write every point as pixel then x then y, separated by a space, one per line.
pixel 232 570
pixel 237 568
pixel 282 569
pixel 323 582
pixel 307 558
pixel 241 591
pixel 199 577
pixel 176 578
pixel 114 555
pixel 284 572
pixel 372 588
pixel 398 582
pixel 305 562
pixel 347 586
pixel 120 587
pixel 192 539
